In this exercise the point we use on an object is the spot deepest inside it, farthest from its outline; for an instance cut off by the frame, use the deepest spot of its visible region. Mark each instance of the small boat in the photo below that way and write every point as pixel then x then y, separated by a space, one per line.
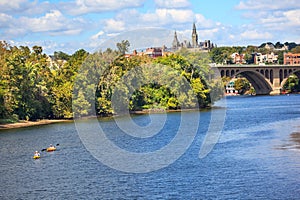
pixel 36 156
pixel 49 149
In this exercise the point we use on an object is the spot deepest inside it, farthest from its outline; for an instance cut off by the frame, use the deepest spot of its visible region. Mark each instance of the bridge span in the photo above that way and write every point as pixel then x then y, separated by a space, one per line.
pixel 266 79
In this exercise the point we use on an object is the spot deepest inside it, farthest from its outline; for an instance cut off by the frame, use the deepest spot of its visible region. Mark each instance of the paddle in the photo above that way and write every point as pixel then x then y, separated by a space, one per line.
pixel 46 149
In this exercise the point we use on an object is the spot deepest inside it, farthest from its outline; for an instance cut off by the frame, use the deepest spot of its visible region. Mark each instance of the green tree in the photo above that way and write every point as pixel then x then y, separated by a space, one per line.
pixel 295 49
pixel 123 46
pixel 280 57
pixel 63 83
pixel 242 85
pixel 59 55
pixel 222 55
pixel 292 84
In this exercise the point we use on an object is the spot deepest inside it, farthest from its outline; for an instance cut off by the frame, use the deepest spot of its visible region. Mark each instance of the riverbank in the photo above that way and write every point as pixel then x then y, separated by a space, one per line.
pixel 22 124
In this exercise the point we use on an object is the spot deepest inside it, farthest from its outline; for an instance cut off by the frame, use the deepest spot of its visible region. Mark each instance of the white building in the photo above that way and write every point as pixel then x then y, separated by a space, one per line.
pixel 265 58
pixel 230 90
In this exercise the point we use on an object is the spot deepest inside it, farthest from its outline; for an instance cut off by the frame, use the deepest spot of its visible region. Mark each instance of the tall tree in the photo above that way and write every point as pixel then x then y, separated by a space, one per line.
pixel 123 46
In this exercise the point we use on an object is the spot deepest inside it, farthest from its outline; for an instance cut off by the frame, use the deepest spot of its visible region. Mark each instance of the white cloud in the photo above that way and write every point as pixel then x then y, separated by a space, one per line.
pixel 280 21
pixel 97 35
pixel 174 19
pixel 205 23
pixel 5 20
pixel 293 17
pixel 51 23
pixel 167 16
pixel 255 35
pixel 208 33
pixel 172 3
pixel 25 7
pixel 132 19
pixel 80 7
pixel 112 25
pixel 13 33
pixel 279 17
pixel 268 5
pixel 14 5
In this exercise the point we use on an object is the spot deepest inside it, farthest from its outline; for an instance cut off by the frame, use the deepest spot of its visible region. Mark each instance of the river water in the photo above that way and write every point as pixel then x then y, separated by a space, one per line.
pixel 257 157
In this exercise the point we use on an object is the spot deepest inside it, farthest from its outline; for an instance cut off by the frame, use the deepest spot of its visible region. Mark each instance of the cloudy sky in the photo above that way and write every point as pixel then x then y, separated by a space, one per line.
pixel 69 25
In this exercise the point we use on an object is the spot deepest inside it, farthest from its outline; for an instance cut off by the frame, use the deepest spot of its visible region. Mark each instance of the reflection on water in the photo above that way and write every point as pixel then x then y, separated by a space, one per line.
pixel 295 137
pixel 293 143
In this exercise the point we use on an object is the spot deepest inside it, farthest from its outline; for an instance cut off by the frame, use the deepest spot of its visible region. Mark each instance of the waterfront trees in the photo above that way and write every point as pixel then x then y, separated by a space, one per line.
pixel 35 86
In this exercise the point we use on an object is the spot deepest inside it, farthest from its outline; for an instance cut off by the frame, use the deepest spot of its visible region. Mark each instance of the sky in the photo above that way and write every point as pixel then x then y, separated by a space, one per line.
pixel 70 25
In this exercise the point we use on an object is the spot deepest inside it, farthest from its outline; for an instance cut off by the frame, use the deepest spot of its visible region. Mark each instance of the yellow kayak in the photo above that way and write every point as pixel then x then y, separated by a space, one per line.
pixel 36 157
pixel 50 149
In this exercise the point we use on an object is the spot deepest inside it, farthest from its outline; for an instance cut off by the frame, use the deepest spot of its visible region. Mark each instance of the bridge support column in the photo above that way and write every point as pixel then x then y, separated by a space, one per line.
pixel 276 83
pixel 275 91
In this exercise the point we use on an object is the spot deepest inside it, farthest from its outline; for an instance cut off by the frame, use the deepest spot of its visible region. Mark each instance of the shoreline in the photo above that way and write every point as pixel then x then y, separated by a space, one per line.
pixel 24 124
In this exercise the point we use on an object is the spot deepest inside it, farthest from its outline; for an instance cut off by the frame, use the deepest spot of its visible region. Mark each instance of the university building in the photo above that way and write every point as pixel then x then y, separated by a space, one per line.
pixel 195 45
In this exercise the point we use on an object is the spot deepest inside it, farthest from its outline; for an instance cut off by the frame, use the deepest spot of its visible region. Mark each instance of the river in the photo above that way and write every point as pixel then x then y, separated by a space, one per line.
pixel 256 157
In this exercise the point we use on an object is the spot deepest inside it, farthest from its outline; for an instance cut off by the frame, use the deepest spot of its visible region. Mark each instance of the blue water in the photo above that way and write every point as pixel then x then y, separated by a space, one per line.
pixel 255 158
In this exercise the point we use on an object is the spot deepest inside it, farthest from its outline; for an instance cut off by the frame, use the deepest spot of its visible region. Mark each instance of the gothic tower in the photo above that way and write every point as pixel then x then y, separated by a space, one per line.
pixel 175 43
pixel 194 37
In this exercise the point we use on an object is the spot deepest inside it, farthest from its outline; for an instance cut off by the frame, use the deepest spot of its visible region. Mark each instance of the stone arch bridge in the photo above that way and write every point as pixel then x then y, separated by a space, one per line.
pixel 266 79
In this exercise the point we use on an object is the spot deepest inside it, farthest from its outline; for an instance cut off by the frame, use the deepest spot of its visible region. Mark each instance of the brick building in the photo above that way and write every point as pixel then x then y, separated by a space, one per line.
pixel 291 58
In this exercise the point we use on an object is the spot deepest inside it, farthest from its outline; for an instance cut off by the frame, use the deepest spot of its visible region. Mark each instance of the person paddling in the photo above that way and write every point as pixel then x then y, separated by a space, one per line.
pixel 36 153
pixel 51 148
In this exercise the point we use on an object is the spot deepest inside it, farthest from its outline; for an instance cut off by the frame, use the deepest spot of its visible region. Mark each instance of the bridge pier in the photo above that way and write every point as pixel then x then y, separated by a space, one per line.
pixel 275 91
pixel 276 86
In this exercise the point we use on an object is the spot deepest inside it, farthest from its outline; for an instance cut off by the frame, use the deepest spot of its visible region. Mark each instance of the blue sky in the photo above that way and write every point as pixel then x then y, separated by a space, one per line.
pixel 70 25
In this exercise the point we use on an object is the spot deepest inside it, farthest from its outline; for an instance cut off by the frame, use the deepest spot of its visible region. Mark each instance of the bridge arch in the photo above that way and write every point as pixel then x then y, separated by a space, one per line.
pixel 256 78
pixel 258 81
pixel 290 72
pixel 266 79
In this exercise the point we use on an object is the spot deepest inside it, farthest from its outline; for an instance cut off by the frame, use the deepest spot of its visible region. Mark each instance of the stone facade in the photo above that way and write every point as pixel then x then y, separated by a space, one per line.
pixel 195 45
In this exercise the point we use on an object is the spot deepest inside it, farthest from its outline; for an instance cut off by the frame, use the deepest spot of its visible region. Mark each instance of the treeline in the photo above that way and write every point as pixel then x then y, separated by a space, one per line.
pixel 32 87
pixel 35 86
pixel 222 55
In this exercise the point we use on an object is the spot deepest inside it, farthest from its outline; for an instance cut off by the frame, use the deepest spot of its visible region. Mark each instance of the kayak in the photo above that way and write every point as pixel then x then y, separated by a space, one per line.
pixel 50 149
pixel 36 157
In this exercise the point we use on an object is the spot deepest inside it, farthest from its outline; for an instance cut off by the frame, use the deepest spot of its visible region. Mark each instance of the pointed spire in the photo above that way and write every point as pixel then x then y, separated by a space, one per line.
pixel 194 28
pixel 175 43
pixel 194 36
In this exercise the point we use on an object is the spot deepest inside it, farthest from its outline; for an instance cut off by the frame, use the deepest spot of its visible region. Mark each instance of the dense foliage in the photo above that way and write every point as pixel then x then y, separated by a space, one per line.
pixel 292 84
pixel 33 86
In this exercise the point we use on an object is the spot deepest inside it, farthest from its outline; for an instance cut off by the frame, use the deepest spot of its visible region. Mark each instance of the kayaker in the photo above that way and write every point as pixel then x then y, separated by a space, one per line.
pixel 36 153
pixel 51 148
